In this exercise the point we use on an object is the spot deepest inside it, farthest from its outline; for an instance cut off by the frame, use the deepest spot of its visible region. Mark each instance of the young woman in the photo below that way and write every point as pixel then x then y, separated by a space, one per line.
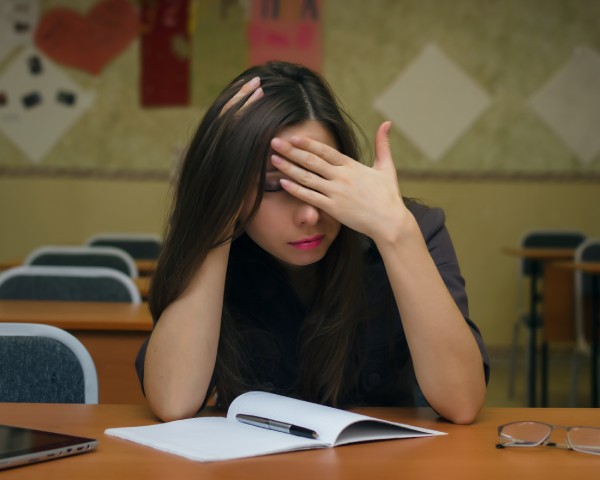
pixel 289 266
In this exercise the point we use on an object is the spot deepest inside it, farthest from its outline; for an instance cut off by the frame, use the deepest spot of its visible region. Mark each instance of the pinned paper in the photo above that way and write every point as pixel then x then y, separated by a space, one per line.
pixel 88 42
pixel 38 103
pixel 569 103
pixel 18 19
pixel 433 102
pixel 286 30
pixel 165 53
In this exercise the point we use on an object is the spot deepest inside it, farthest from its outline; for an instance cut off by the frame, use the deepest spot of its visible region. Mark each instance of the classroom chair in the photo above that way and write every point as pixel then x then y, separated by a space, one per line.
pixel 83 256
pixel 141 246
pixel 535 238
pixel 588 251
pixel 82 284
pixel 44 364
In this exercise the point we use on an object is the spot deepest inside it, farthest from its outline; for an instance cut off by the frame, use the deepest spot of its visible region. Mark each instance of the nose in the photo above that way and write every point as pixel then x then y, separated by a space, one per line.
pixel 307 214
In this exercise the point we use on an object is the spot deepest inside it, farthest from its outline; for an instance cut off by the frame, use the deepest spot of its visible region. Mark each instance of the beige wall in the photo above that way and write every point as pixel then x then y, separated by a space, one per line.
pixel 511 47
pixel 482 218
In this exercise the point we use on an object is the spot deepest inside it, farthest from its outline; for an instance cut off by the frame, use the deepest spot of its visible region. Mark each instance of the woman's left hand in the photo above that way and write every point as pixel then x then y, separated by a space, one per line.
pixel 365 199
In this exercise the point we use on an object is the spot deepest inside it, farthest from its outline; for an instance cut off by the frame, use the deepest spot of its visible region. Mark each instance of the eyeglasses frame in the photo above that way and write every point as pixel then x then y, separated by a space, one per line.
pixel 545 441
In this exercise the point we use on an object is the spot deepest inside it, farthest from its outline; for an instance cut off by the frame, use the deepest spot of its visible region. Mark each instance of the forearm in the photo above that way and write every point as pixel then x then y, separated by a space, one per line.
pixel 446 358
pixel 182 350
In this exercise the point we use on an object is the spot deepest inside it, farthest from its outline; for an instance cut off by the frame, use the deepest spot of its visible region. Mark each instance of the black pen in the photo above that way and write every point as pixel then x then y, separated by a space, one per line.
pixel 276 425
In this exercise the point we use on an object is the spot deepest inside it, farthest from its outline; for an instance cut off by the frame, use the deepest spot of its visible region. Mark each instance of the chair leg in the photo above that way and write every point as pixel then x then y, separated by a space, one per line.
pixel 544 367
pixel 574 393
pixel 512 373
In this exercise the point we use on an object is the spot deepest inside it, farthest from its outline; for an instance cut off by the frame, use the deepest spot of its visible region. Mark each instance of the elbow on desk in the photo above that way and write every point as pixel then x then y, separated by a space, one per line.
pixel 169 407
pixel 462 409
pixel 171 411
pixel 466 417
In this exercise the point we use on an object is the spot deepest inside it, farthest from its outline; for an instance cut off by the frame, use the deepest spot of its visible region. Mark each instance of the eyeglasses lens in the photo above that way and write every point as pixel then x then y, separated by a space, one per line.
pixel 524 434
pixel 585 439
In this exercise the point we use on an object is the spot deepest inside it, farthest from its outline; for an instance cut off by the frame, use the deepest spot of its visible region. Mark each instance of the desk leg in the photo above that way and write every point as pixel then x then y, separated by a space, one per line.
pixel 535 267
pixel 595 329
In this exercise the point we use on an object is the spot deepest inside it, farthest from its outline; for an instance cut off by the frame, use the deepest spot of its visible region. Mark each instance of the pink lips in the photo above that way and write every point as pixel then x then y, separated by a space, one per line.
pixel 308 243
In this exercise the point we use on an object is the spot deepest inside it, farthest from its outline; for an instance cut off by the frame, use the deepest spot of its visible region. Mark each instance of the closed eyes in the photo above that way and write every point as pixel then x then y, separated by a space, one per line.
pixel 272 182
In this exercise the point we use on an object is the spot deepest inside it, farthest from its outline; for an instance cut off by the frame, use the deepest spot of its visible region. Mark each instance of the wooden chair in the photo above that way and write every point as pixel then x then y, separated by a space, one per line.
pixel 588 251
pixel 537 238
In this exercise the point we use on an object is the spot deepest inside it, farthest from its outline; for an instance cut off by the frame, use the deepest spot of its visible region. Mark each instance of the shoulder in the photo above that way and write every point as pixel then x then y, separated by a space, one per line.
pixel 430 219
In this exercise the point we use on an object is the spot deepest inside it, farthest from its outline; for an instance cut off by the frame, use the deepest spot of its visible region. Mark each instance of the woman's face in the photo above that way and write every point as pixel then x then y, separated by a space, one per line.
pixel 294 232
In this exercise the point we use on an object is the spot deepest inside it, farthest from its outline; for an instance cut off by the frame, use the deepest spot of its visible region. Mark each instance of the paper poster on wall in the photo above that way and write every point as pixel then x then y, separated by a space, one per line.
pixel 88 42
pixel 569 103
pixel 433 101
pixel 286 30
pixel 18 19
pixel 165 53
pixel 38 103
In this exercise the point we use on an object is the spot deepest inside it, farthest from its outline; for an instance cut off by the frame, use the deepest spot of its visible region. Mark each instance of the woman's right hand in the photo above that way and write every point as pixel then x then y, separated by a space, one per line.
pixel 250 86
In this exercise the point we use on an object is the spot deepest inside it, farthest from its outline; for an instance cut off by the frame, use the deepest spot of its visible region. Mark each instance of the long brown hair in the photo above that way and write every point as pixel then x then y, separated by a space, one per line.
pixel 227 154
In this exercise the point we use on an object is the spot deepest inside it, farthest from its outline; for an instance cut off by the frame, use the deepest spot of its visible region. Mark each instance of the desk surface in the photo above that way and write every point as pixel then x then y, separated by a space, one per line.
pixel 143 285
pixel 592 268
pixel 467 452
pixel 79 315
pixel 144 267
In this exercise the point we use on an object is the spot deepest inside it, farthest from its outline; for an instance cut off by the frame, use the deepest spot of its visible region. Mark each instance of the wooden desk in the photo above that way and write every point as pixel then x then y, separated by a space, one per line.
pixel 467 452
pixel 538 257
pixel 144 267
pixel 143 285
pixel 112 333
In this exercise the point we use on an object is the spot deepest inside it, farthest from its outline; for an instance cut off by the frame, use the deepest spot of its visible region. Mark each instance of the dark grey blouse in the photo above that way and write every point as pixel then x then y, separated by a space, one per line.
pixel 262 300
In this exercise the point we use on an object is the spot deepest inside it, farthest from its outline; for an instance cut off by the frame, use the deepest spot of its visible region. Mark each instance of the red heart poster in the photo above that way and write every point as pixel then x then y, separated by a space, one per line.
pixel 88 42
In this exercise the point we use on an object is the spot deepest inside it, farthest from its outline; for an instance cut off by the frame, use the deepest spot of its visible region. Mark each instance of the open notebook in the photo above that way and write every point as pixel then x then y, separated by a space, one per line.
pixel 208 439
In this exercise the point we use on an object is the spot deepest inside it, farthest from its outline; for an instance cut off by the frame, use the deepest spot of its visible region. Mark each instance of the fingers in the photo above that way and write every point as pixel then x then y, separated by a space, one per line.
pixel 383 153
pixel 298 174
pixel 311 155
pixel 307 195
pixel 252 86
pixel 321 150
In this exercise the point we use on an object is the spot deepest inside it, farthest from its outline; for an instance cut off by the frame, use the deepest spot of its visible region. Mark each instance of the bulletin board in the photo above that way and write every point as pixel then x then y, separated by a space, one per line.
pixel 482 90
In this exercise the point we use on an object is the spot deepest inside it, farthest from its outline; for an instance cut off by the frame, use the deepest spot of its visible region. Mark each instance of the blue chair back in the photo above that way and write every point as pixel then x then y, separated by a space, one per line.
pixel 78 284
pixel 549 239
pixel 44 364
pixel 139 246
pixel 83 256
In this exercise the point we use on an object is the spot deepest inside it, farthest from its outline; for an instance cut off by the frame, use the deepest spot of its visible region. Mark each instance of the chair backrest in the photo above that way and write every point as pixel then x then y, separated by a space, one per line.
pixel 588 251
pixel 82 256
pixel 143 246
pixel 44 364
pixel 83 284
pixel 541 238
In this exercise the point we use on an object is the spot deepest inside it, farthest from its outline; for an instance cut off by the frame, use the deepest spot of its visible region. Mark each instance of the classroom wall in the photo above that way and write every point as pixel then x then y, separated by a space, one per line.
pixel 364 48
pixel 482 218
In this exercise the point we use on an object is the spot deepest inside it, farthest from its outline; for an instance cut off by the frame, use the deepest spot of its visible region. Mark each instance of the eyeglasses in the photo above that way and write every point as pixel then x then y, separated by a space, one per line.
pixel 534 434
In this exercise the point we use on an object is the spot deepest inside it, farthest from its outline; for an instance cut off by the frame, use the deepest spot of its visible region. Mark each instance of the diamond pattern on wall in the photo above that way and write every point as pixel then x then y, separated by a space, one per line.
pixel 569 103
pixel 433 102
pixel 39 103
